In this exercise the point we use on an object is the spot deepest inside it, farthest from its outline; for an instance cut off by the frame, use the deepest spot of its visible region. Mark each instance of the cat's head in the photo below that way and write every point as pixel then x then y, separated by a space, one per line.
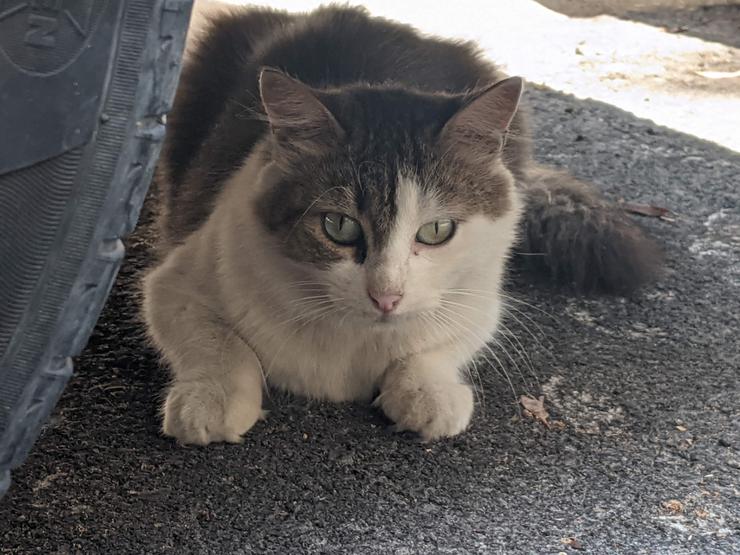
pixel 384 199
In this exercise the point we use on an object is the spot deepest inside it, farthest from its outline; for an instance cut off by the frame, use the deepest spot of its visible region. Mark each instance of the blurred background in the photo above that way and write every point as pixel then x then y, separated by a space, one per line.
pixel 676 62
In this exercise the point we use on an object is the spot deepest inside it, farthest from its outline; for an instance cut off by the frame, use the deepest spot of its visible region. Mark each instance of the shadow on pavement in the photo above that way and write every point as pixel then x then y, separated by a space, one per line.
pixel 712 21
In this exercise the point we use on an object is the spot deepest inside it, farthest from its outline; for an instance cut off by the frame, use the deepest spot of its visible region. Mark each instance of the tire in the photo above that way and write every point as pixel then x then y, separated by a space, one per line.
pixel 84 89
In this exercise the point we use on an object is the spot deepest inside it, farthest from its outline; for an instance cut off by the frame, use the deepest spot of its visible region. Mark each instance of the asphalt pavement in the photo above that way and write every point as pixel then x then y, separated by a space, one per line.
pixel 642 456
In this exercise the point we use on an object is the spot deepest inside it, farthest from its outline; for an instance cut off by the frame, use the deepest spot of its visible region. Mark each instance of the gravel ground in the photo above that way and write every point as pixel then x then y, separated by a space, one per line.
pixel 646 460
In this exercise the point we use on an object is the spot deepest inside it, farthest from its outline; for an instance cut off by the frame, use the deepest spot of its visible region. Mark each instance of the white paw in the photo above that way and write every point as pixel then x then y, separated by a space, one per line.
pixel 202 412
pixel 433 409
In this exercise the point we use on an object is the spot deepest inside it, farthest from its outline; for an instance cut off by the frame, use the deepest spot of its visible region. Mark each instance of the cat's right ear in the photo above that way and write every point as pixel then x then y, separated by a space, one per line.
pixel 479 128
pixel 298 120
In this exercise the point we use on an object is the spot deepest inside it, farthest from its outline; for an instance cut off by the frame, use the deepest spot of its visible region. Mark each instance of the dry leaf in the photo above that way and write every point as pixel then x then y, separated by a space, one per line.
pixel 673 505
pixel 535 408
pixel 678 29
pixel 558 425
pixel 648 210
pixel 572 542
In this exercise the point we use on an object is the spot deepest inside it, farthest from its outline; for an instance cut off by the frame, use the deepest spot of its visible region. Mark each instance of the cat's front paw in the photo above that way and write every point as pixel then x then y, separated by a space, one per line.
pixel 202 411
pixel 432 409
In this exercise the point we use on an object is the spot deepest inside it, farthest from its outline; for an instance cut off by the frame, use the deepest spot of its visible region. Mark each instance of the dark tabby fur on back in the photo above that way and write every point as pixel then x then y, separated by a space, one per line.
pixel 341 196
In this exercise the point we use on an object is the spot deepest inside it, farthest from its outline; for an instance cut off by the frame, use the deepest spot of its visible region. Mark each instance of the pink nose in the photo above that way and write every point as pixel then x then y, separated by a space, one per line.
pixel 385 302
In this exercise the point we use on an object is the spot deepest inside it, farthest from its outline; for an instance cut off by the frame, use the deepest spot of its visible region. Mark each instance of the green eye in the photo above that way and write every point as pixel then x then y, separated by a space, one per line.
pixel 342 229
pixel 435 233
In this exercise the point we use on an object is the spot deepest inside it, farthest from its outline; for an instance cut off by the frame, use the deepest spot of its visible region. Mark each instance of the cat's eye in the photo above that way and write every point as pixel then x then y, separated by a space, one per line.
pixel 436 233
pixel 342 229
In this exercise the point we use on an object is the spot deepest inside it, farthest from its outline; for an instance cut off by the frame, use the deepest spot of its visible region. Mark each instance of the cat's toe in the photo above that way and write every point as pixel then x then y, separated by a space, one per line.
pixel 202 412
pixel 433 411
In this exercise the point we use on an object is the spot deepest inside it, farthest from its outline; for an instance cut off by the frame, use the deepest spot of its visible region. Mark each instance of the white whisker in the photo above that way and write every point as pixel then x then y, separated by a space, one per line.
pixel 447 302
pixel 450 314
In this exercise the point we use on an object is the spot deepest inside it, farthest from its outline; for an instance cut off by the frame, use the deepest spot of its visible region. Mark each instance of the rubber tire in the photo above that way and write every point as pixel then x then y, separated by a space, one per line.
pixel 84 90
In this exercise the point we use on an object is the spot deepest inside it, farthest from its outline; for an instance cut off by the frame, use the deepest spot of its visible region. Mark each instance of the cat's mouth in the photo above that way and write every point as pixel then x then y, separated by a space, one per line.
pixel 388 318
pixel 394 318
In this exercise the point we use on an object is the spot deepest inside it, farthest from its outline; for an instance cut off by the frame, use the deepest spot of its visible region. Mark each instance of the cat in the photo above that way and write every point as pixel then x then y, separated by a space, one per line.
pixel 340 197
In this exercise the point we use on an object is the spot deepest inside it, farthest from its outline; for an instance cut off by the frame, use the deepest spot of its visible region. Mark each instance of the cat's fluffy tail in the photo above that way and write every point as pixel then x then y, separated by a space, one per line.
pixel 574 237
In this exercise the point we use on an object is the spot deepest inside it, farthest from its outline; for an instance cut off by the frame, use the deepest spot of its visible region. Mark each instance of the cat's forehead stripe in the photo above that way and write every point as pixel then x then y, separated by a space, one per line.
pixel 408 214
pixel 376 201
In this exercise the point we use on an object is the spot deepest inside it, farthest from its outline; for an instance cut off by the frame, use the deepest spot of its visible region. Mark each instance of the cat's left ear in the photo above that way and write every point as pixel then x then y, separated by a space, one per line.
pixel 480 126
pixel 298 119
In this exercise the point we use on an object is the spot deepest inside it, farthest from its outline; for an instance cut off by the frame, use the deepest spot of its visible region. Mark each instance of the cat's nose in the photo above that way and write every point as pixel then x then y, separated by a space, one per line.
pixel 384 301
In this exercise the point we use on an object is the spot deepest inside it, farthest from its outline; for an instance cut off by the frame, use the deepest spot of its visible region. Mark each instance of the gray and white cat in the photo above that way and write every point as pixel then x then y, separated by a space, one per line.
pixel 341 196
